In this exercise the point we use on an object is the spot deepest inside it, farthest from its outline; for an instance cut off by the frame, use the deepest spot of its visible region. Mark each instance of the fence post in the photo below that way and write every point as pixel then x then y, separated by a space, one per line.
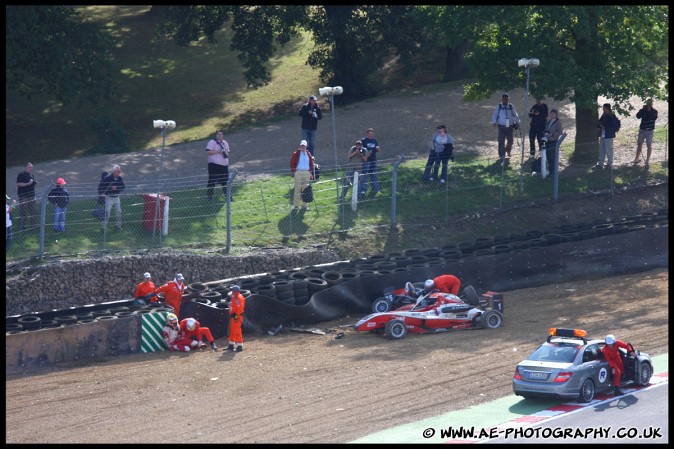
pixel 394 183
pixel 229 208
pixel 43 219
pixel 555 188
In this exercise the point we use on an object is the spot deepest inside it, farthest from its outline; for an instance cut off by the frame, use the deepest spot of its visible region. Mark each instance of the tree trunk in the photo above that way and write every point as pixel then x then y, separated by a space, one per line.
pixel 455 67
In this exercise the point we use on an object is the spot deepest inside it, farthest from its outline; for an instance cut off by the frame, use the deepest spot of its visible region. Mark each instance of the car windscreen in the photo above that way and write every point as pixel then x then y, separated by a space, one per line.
pixel 554 352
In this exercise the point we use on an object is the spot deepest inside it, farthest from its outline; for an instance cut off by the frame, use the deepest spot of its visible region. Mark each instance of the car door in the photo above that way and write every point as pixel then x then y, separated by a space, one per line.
pixel 596 366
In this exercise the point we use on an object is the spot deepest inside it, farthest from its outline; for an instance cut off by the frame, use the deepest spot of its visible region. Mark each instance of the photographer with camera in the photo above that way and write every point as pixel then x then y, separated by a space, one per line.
pixel 25 184
pixel 506 118
pixel 442 150
pixel 311 113
pixel 648 116
pixel 218 164
pixel 553 131
pixel 355 157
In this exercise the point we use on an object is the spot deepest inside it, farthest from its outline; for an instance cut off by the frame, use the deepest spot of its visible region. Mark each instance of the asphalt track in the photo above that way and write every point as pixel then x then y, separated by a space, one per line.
pixel 508 412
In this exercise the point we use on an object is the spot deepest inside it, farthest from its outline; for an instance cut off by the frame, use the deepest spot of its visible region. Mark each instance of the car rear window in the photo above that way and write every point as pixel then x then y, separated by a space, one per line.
pixel 551 352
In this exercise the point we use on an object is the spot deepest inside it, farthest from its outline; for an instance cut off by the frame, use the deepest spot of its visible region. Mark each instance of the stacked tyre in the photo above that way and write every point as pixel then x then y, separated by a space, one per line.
pixel 301 291
pixel 285 291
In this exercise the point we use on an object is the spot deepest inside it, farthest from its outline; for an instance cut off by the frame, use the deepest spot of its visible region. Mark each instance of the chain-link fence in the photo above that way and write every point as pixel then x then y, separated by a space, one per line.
pixel 261 214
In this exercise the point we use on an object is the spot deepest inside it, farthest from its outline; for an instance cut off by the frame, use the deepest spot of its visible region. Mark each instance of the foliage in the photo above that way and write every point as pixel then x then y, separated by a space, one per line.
pixel 112 138
pixel 49 49
pixel 584 52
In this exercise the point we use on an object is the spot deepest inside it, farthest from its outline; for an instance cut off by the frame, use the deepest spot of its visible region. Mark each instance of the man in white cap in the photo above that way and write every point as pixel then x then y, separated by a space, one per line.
pixel 302 169
pixel 311 113
pixel 145 291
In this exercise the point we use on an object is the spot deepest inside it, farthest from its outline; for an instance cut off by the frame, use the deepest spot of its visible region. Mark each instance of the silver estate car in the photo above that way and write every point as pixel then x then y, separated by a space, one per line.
pixel 569 366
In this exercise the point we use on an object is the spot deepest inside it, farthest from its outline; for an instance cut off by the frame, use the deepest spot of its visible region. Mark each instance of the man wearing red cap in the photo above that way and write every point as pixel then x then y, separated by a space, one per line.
pixel 60 198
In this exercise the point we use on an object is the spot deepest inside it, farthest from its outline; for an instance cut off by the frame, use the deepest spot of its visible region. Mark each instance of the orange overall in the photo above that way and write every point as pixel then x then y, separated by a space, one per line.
pixel 447 283
pixel 236 306
pixel 198 332
pixel 173 292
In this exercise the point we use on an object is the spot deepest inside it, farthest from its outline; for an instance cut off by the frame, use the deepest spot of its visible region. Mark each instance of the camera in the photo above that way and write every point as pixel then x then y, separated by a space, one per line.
pixel 313 113
pixel 363 151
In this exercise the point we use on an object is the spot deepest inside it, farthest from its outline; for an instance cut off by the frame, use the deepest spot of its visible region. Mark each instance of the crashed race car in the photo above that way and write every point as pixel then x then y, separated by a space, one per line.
pixel 434 313
pixel 410 293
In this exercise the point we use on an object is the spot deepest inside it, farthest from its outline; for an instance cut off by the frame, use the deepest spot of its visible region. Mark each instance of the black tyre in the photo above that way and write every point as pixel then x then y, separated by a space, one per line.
pixel 491 319
pixel 267 290
pixel 645 373
pixel 283 286
pixel 381 305
pixel 396 329
pixel 30 322
pixel 587 391
pixel 198 287
pixel 471 295
pixel 332 277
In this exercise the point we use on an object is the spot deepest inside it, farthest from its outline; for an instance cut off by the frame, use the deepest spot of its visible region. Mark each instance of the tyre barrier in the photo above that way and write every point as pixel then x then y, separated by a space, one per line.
pixel 501 238
pixel 435 260
pixel 315 272
pixel 516 236
pixel 285 295
pixel 49 324
pixel 212 296
pixel 377 258
pixel 282 286
pixel 519 244
pixel 604 229
pixel 570 237
pixel 533 234
pixel 347 276
pixel 86 320
pixel 401 261
pixel 151 305
pixel 365 273
pixel 332 277
pixel 483 252
pixel 385 265
pixel 267 290
pixel 414 266
pixel 161 309
pixel 198 287
pixel 315 285
pixel 125 313
pixel 300 275
pixel 279 274
pixel 393 254
pixel 201 300
pixel 552 239
pixel 97 313
pixel 114 310
pixel 108 317
pixel 222 304
pixel 364 266
pixel 30 322
pixel 249 283
pixel 418 259
pixel 13 327
pixel 537 242
pixel 400 270
pixel 466 247
pixel 587 234
pixel 638 227
pixel 266 279
pixel 483 242
pixel 502 248
pixel 431 252
pixel 384 272
pixel 84 316
pixel 66 320
pixel 412 252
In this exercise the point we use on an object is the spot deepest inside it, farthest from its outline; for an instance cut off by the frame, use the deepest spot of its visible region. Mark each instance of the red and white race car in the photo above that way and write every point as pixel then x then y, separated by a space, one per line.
pixel 434 313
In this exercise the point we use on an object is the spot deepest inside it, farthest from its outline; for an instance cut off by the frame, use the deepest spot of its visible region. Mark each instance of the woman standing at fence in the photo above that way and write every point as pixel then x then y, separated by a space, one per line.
pixel 442 149
pixel 553 131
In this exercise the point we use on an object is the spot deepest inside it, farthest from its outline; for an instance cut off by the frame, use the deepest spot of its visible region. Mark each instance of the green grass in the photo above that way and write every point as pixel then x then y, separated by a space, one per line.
pixel 201 87
pixel 261 215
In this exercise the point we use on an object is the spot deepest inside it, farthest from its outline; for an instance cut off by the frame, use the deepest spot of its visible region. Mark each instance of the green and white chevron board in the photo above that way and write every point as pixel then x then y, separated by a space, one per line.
pixel 151 326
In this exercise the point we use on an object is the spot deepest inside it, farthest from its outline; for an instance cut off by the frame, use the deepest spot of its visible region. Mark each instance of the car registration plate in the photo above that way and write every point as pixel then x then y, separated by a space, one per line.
pixel 537 375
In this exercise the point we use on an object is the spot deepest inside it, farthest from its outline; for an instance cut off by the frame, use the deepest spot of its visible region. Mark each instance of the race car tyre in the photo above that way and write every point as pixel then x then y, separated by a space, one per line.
pixel 381 305
pixel 396 329
pixel 645 373
pixel 491 319
pixel 471 296
pixel 587 391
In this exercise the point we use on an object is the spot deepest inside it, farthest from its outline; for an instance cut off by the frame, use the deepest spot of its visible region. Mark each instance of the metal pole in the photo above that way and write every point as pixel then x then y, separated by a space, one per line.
pixel 231 177
pixel 394 187
pixel 526 111
pixel 555 189
pixel 334 144
pixel 161 167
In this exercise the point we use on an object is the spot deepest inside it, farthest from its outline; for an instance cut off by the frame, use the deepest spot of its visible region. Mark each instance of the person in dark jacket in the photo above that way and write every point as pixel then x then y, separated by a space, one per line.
pixel 111 187
pixel 25 183
pixel 609 126
pixel 538 114
pixel 311 113
pixel 648 116
pixel 60 198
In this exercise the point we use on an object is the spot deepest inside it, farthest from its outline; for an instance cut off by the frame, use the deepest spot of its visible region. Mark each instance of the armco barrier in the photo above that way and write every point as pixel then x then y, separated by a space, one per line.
pixel 605 256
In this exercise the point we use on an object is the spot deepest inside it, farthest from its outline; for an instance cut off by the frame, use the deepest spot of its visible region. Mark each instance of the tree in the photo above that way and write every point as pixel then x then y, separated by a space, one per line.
pixel 352 42
pixel 51 50
pixel 584 52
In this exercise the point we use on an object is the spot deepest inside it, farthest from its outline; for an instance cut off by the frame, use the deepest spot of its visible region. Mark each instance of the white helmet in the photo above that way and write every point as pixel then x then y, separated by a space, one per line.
pixel 191 324
pixel 429 284
pixel 171 318
pixel 610 339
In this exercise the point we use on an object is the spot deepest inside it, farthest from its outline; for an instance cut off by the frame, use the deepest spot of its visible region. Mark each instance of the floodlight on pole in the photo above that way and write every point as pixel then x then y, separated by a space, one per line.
pixel 330 92
pixel 163 125
pixel 527 63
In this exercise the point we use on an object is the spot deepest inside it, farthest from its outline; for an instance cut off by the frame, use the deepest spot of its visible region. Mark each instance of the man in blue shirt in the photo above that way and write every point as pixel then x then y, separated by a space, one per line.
pixel 370 165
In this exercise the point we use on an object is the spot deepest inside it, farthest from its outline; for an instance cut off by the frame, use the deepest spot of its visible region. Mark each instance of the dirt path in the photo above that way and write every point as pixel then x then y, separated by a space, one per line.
pixel 304 388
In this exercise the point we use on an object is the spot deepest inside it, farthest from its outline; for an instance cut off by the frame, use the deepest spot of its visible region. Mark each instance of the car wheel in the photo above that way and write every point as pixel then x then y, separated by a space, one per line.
pixel 381 305
pixel 471 296
pixel 645 372
pixel 396 329
pixel 491 319
pixel 586 391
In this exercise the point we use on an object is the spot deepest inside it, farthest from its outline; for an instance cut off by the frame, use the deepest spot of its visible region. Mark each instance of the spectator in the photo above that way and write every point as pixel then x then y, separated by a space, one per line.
pixel 609 126
pixel 612 356
pixel 237 305
pixel 370 166
pixel 173 292
pixel 553 131
pixel 193 330
pixel 442 149
pixel 9 208
pixel 302 169
pixel 111 186
pixel 648 116
pixel 311 113
pixel 218 164
pixel 539 115
pixel 60 198
pixel 506 118
pixel 25 183
pixel 145 291
pixel 174 338
pixel 355 157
